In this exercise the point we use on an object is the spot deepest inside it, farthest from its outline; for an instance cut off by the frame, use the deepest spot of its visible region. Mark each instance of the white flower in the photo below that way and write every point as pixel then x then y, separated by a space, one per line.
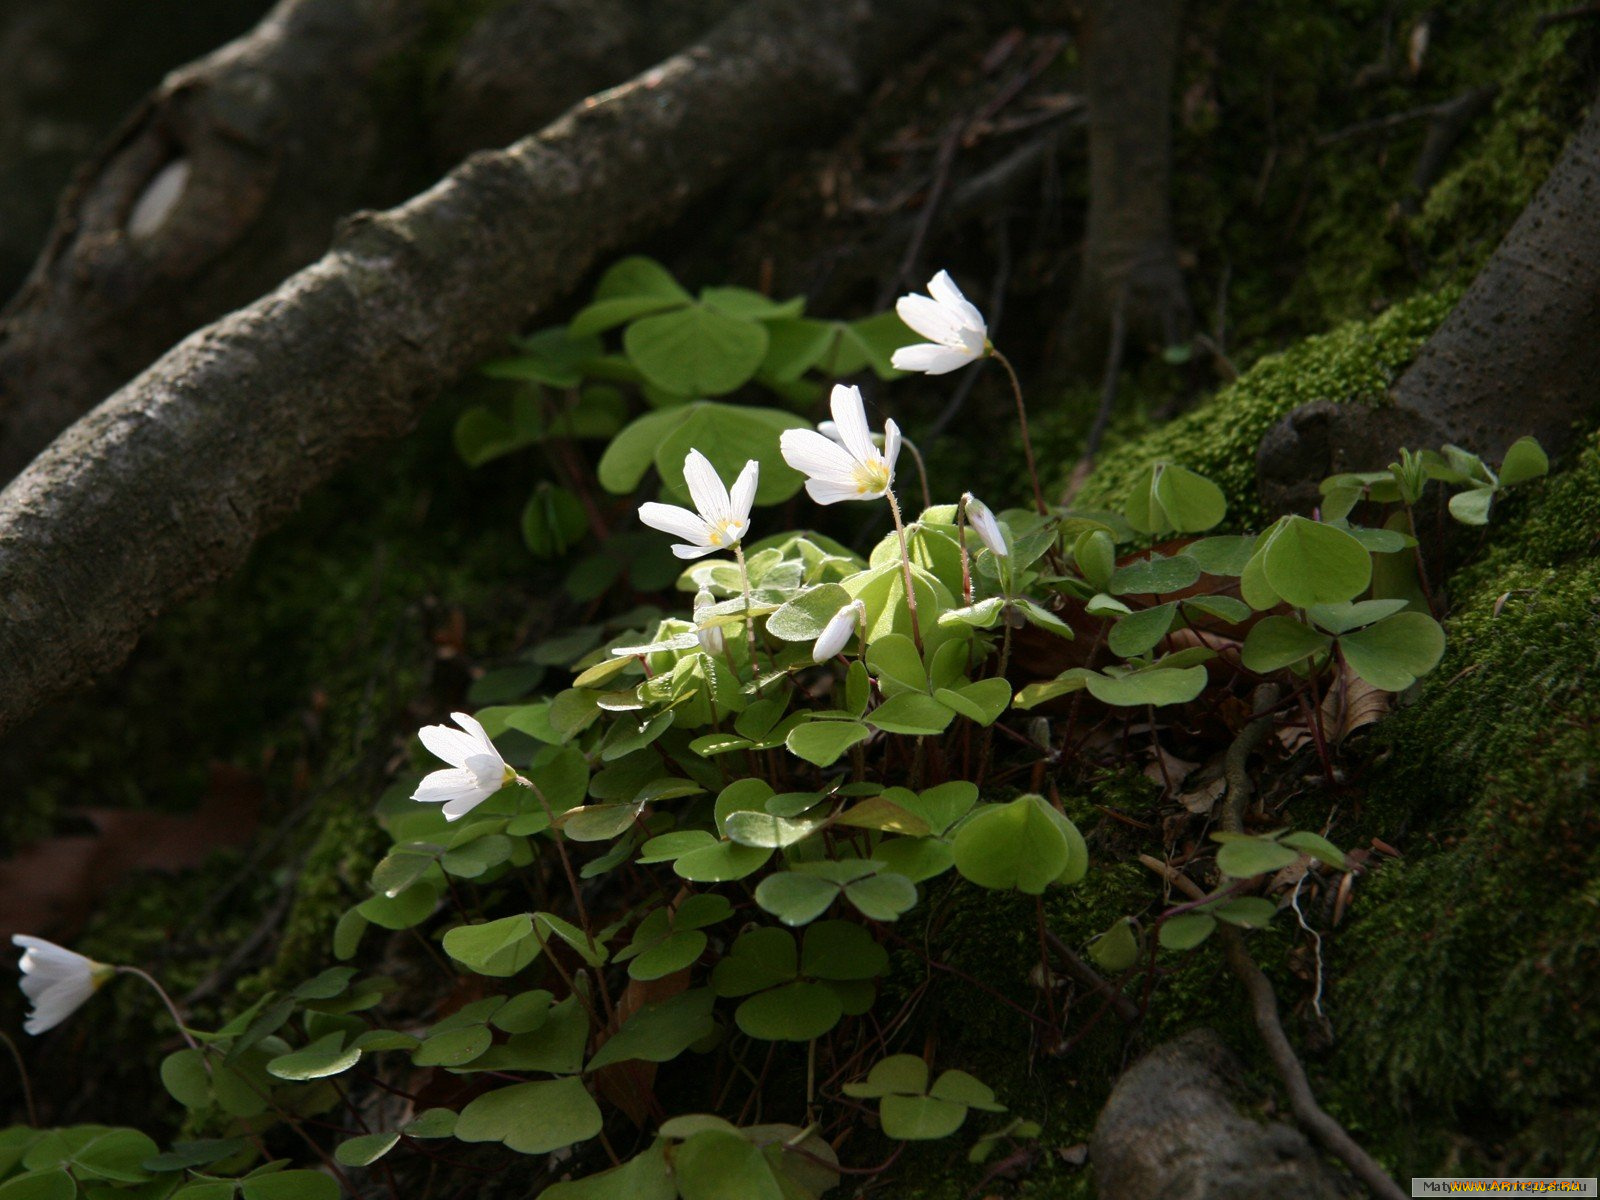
pixel 476 769
pixel 838 631
pixel 721 520
pixel 955 330
pixel 712 639
pixel 58 981
pixel 983 521
pixel 851 468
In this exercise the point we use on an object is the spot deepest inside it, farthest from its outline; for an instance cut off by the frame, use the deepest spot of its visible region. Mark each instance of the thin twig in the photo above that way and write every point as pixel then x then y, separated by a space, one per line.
pixel 1263 1000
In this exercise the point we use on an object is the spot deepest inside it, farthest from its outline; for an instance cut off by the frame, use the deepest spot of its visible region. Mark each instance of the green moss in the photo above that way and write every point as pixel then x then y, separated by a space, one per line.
pixel 1355 363
pixel 1465 985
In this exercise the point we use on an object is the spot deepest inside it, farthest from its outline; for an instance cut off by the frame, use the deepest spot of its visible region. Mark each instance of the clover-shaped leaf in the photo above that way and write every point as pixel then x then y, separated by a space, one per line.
pixel 532 1118
pixel 910 1110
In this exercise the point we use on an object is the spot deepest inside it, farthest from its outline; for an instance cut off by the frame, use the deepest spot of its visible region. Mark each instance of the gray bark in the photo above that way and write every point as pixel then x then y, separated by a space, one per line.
pixel 1130 263
pixel 69 69
pixel 1172 1130
pixel 163 488
pixel 234 173
pixel 1518 355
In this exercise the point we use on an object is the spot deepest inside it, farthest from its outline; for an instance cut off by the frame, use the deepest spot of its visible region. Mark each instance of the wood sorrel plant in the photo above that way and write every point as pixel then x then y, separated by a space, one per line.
pixel 699 854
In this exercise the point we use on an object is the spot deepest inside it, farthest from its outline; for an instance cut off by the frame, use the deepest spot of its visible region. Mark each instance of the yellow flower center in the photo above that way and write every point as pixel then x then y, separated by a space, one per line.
pixel 725 533
pixel 872 477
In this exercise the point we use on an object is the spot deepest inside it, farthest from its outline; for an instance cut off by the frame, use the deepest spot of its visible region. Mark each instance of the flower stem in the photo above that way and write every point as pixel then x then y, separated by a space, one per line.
pixel 905 568
pixel 22 1074
pixel 1022 419
pixel 172 1008
pixel 749 621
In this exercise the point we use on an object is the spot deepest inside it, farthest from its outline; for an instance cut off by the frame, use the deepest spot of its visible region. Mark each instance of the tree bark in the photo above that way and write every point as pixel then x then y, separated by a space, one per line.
pixel 164 487
pixel 1518 355
pixel 1129 273
pixel 233 174
pixel 1172 1131
pixel 68 70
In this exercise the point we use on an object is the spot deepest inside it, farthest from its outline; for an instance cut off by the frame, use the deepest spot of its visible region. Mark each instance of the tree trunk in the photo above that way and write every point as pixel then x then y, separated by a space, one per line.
pixel 68 70
pixel 164 488
pixel 1171 1130
pixel 233 174
pixel 1129 275
pixel 1518 355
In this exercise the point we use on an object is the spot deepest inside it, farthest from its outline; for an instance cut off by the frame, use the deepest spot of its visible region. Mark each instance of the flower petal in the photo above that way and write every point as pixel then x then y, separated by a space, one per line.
pixel 851 415
pixel 744 491
pixel 943 289
pixel 931 359
pixel 455 809
pixel 684 551
pixel 705 487
pixel 812 454
pixel 452 745
pixel 470 723
pixel 827 491
pixel 929 318
pixel 891 446
pixel 679 522
pixel 445 785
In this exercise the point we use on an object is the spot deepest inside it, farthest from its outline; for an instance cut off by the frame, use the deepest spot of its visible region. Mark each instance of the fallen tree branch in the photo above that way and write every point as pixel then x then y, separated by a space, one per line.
pixel 164 488
pixel 233 174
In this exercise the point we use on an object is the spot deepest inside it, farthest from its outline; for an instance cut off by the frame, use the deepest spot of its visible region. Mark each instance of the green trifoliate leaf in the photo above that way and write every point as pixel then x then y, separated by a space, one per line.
pixel 894 659
pixel 1342 618
pixel 1394 652
pixel 823 742
pixel 805 617
pixel 717 1165
pixel 659 1032
pixel 646 1176
pixel 497 948
pixel 696 350
pixel 909 713
pixel 1139 631
pixel 1154 685
pixel 1155 576
pixel 326 1056
pixel 1277 642
pixel 1225 555
pixel 532 1118
pixel 1471 507
pixel 1247 912
pixel 1016 845
pixel 1096 555
pixel 1306 563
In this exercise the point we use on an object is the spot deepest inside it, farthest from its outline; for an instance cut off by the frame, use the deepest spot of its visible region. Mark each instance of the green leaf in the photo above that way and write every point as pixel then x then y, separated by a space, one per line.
pixel 497 948
pixel 729 435
pixel 1155 576
pixel 893 658
pixel 1012 845
pixel 1156 685
pixel 1394 652
pixel 919 1118
pixel 1318 847
pixel 1308 563
pixel 795 1012
pixel 1224 608
pixel 760 958
pixel 1187 931
pixel 841 950
pixel 365 1150
pixel 532 1118
pixel 1246 856
pixel 483 434
pixel 804 618
pixel 718 1165
pixel 1248 912
pixel 1277 642
pixel 659 1032
pixel 54 1184
pixel 1191 502
pixel 553 356
pixel 882 897
pixel 917 859
pixel 795 898
pixel 1342 618
pixel 768 831
pixel 290 1185
pixel 822 742
pixel 1139 631
pixel 1225 555
pixel 1524 461
pixel 1471 507
pixel 908 713
pixel 326 1056
pixel 1117 949
pixel 982 701
pixel 633 287
pixel 453 1047
pixel 553 521
pixel 721 863
pixel 1096 555
pixel 186 1079
pixel 696 350
pixel 645 1176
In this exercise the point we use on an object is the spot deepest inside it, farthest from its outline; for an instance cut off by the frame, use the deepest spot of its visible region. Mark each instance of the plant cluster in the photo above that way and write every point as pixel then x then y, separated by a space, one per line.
pixel 707 850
